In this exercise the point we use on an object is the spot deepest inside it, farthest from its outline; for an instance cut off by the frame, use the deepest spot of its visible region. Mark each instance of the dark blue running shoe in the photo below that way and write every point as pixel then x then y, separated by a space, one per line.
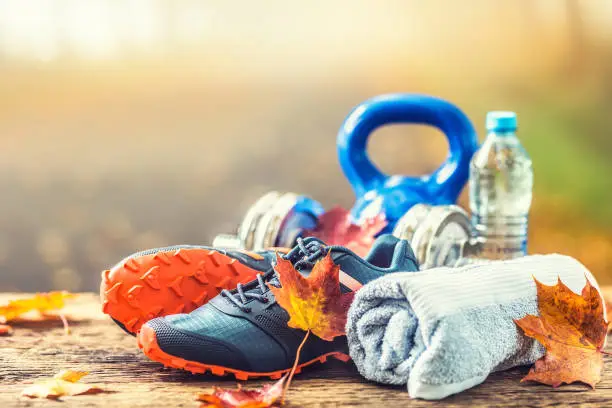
pixel 244 331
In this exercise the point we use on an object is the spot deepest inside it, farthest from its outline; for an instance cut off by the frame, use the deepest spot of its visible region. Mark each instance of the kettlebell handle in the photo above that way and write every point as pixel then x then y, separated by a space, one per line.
pixel 446 182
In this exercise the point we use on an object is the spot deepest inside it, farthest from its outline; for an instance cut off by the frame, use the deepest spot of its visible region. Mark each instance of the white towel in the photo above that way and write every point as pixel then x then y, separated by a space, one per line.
pixel 444 330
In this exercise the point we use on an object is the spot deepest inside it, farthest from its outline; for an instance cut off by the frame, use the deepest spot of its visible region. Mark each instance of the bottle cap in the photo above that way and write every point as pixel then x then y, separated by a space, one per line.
pixel 501 121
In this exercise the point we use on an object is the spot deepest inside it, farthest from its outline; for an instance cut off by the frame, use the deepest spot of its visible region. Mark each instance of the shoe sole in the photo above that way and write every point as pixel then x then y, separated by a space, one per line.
pixel 167 282
pixel 147 341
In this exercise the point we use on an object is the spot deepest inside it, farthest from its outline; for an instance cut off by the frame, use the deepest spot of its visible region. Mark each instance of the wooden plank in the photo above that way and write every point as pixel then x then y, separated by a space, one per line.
pixel 97 345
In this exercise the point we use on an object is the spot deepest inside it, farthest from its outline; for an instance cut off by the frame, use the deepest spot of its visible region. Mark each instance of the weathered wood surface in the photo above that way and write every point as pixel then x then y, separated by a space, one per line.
pixel 97 345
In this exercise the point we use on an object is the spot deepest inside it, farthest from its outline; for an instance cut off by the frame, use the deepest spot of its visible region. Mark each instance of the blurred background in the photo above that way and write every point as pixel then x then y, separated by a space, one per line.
pixel 128 124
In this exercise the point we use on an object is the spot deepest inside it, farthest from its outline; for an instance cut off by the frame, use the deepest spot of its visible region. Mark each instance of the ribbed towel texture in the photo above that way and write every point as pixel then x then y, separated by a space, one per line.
pixel 444 330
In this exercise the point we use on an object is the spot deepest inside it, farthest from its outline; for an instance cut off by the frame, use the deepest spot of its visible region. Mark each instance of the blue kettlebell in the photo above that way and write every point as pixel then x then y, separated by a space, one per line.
pixel 276 219
pixel 393 195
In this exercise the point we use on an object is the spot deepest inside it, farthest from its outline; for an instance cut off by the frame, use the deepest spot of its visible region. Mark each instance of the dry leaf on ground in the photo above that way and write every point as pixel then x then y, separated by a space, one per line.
pixel 336 227
pixel 267 396
pixel 572 328
pixel 42 303
pixel 5 330
pixel 63 383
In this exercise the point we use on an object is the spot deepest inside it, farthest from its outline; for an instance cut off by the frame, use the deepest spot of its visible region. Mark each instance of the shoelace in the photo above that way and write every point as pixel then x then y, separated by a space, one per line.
pixel 303 255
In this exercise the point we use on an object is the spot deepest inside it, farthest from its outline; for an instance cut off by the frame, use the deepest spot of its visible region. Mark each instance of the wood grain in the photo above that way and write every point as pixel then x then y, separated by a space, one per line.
pixel 40 349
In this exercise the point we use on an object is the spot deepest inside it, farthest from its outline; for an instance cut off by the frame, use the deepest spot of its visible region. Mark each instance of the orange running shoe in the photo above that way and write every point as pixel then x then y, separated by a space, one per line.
pixel 177 279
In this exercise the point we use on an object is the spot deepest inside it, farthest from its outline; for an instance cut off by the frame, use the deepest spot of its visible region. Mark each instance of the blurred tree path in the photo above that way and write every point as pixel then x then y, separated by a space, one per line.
pixel 168 140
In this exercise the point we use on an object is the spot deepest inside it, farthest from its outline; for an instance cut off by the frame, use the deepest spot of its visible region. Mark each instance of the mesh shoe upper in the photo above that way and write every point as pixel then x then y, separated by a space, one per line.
pixel 247 330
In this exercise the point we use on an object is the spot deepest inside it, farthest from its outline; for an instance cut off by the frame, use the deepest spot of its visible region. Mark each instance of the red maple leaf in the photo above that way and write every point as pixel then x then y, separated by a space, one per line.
pixel 336 227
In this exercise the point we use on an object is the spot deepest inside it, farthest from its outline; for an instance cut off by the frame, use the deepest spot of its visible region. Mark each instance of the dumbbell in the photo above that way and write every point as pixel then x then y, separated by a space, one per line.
pixel 274 220
pixel 278 219
pixel 437 234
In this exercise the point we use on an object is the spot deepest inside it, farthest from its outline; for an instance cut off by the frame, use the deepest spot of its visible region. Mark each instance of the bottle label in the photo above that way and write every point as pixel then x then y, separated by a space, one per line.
pixel 503 249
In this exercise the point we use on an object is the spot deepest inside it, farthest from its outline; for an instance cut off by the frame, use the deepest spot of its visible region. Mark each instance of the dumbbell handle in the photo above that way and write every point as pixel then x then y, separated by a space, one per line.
pixel 227 241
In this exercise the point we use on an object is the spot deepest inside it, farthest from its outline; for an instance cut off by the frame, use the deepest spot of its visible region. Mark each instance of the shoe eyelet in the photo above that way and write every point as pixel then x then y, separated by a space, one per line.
pixel 247 310
pixel 265 300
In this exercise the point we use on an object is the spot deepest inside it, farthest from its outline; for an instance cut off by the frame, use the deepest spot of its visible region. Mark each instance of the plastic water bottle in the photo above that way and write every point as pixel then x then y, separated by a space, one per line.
pixel 501 184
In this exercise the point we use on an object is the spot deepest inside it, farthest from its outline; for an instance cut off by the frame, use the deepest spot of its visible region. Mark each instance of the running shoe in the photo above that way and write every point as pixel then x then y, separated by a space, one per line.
pixel 178 279
pixel 244 331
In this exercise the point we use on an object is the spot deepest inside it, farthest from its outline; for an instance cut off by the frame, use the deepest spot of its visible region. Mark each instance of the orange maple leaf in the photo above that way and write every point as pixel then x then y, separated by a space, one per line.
pixel 336 227
pixel 265 397
pixel 65 382
pixel 572 328
pixel 40 302
pixel 315 303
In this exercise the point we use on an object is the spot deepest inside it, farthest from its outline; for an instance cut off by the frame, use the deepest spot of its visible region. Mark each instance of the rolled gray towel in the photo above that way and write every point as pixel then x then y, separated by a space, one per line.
pixel 444 330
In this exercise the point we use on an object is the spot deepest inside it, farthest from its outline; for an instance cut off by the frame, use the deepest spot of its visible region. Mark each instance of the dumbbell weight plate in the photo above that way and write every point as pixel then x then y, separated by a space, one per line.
pixel 408 223
pixel 246 230
pixel 288 217
pixel 440 237
pixel 436 233
pixel 275 219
